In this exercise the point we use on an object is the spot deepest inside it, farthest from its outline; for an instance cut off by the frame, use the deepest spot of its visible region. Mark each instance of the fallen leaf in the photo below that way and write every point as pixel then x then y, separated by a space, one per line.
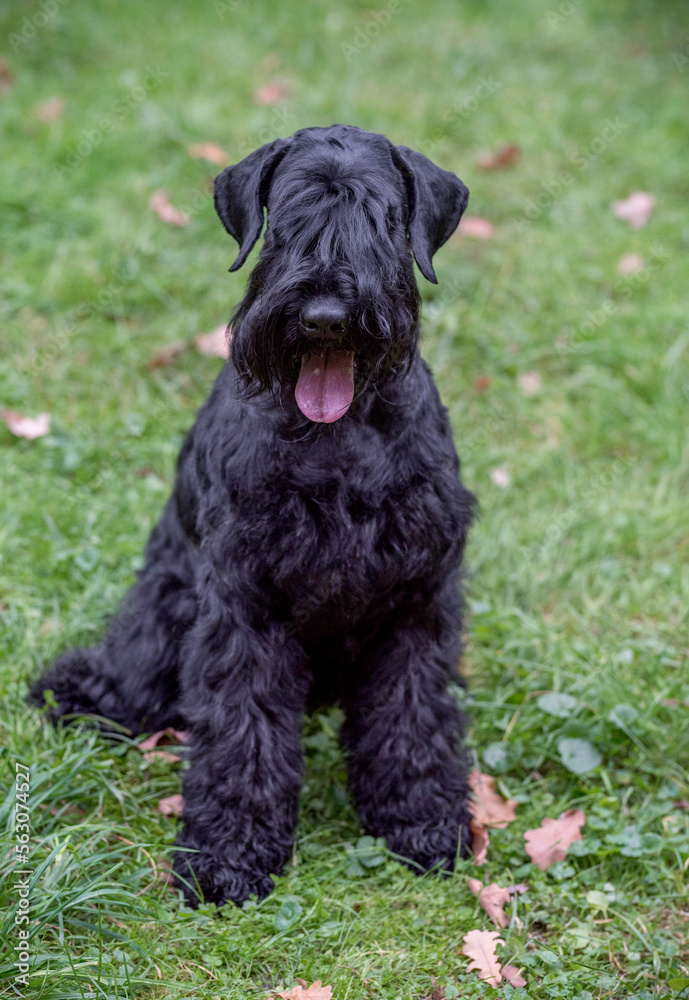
pixel 167 354
pixel 501 478
pixel 493 898
pixel 474 225
pixel 480 947
pixel 530 383
pixel 513 975
pixel 27 427
pixel 482 382
pixel 216 343
pixel 682 804
pixel 480 842
pixel 273 92
pixel 173 805
pixel 160 204
pixel 6 77
pixel 209 151
pixel 489 808
pixel 549 842
pixel 303 992
pixel 636 209
pixel 152 746
pixel 50 111
pixel 630 263
pixel 505 156
pixel 164 737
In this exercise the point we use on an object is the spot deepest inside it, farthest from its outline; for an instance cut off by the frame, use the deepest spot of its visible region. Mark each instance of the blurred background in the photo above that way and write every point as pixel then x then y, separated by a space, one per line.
pixel 558 335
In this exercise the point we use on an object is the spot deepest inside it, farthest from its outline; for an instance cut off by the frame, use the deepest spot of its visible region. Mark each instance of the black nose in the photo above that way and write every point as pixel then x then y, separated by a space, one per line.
pixel 326 317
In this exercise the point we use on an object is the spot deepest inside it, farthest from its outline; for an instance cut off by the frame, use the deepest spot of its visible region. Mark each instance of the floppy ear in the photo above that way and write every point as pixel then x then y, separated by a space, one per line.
pixel 240 193
pixel 437 199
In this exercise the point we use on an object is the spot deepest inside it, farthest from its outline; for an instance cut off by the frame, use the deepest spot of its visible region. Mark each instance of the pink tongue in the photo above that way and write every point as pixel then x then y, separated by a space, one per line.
pixel 325 387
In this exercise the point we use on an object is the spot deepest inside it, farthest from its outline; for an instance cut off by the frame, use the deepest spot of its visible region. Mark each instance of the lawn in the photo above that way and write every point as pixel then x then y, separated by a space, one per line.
pixel 567 382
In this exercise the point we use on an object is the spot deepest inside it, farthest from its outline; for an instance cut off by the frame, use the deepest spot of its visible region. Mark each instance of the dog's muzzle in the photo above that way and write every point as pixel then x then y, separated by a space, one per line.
pixel 325 387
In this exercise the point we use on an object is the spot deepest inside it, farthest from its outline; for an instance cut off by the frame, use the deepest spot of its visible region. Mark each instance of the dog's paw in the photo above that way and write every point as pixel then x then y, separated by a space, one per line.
pixel 69 688
pixel 205 877
pixel 431 845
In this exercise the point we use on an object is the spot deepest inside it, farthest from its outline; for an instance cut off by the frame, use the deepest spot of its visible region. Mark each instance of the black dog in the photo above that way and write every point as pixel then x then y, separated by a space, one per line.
pixel 311 549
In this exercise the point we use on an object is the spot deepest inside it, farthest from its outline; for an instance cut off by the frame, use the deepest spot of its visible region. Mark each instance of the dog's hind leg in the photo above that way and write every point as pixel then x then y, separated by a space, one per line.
pixel 132 677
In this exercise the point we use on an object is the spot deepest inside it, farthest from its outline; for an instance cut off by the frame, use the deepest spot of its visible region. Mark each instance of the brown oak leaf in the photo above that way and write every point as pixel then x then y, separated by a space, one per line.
pixel 173 805
pixel 273 92
pixel 209 151
pixel 27 427
pixel 152 746
pixel 489 808
pixel 493 898
pixel 160 203
pixel 480 842
pixel 476 226
pixel 216 343
pixel 513 975
pixel 480 947
pixel 303 992
pixel 549 842
pixel 505 156
pixel 50 111
pixel 636 209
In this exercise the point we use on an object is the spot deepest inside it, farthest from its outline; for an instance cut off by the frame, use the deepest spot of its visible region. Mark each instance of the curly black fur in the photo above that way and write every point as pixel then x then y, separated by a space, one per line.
pixel 298 561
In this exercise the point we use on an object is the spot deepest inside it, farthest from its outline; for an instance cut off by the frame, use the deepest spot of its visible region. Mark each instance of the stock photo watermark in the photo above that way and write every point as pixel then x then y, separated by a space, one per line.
pixel 33 23
pixel 367 32
pixel 581 159
pixel 120 110
pixel 22 875
pixel 623 289
pixel 462 109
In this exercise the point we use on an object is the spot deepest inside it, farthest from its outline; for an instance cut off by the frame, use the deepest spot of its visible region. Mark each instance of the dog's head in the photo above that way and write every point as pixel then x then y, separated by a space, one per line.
pixel 332 304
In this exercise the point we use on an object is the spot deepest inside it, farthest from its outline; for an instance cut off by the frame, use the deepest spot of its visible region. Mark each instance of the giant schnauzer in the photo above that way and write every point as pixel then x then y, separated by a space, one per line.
pixel 311 548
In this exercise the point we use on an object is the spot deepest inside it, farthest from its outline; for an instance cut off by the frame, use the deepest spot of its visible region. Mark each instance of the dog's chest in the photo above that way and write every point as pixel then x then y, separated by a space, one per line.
pixel 338 525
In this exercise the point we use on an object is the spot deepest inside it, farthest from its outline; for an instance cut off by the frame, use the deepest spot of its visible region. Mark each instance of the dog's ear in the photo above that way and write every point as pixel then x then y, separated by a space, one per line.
pixel 240 193
pixel 437 199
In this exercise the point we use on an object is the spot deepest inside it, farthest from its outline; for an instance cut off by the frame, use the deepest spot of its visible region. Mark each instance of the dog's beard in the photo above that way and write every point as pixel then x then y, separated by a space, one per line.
pixel 270 352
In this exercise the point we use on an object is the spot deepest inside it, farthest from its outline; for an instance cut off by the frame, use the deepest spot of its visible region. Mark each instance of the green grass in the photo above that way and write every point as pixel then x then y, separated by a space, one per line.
pixel 578 570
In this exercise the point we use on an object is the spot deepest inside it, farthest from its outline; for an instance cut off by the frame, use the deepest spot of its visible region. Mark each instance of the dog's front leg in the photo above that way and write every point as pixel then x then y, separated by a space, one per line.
pixel 402 735
pixel 245 686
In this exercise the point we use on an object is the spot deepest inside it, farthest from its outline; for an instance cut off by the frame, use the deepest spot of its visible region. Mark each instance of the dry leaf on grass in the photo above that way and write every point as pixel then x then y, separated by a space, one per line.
pixel 152 746
pixel 27 427
pixel 216 343
pixel 6 77
pixel 549 843
pixel 480 947
pixel 513 975
pixel 480 842
pixel 530 383
pixel 474 225
pixel 488 807
pixel 160 204
pixel 630 263
pixel 273 92
pixel 209 151
pixel 482 382
pixel 493 898
pixel 501 478
pixel 505 156
pixel 636 209
pixel 303 992
pixel 50 111
pixel 173 805
pixel 167 354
